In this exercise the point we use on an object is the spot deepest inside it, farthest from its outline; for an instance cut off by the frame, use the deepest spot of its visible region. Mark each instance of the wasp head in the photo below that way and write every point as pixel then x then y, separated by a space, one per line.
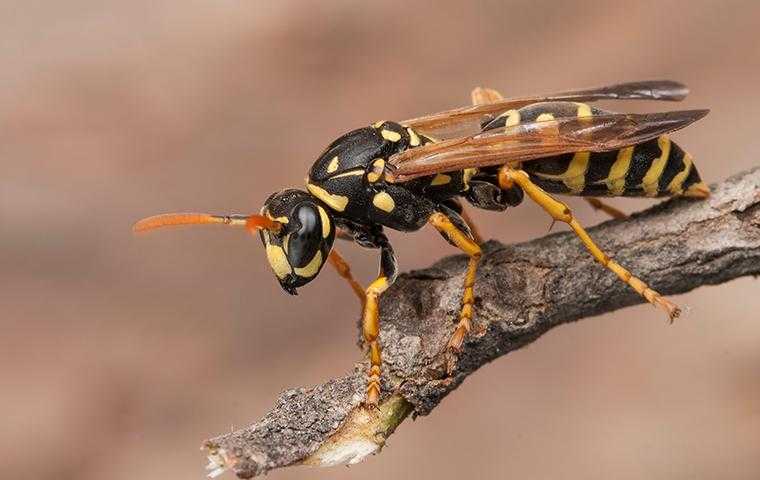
pixel 298 249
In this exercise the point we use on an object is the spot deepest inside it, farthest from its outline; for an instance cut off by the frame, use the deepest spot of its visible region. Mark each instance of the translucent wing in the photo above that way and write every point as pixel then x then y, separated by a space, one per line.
pixel 534 140
pixel 465 121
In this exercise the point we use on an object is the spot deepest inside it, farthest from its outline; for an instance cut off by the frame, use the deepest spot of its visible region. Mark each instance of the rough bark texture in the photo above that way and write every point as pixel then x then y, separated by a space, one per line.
pixel 522 291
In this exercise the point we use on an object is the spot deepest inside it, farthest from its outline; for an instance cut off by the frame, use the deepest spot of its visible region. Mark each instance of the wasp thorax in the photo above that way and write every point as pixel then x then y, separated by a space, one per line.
pixel 298 250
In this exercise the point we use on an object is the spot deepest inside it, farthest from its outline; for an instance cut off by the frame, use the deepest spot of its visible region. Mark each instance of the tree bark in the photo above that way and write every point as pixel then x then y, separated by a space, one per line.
pixel 522 291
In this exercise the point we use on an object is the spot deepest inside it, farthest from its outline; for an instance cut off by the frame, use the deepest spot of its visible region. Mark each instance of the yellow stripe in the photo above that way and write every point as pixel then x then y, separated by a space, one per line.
pixel 549 122
pixel 545 117
pixel 676 185
pixel 277 260
pixel 349 173
pixel 467 174
pixel 513 118
pixel 575 175
pixel 440 179
pixel 584 110
pixel 414 139
pixel 336 202
pixel 326 226
pixel 697 190
pixel 311 268
pixel 652 177
pixel 333 165
pixel 616 179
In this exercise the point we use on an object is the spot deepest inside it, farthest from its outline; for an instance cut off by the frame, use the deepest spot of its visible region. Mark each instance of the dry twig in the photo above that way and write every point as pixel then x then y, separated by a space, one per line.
pixel 522 291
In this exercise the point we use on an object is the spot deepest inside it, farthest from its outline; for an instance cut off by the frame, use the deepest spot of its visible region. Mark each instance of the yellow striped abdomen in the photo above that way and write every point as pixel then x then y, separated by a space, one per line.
pixel 655 168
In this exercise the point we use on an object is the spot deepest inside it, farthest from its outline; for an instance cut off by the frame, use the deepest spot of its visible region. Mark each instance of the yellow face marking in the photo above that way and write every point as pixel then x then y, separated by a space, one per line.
pixel 326 225
pixel 333 165
pixel 584 110
pixel 390 135
pixel 440 179
pixel 278 260
pixel 676 185
pixel 414 139
pixel 336 202
pixel 311 268
pixel 378 167
pixel 270 217
pixel 616 178
pixel 513 118
pixel 349 173
pixel 378 124
pixel 574 177
pixel 652 177
pixel 384 202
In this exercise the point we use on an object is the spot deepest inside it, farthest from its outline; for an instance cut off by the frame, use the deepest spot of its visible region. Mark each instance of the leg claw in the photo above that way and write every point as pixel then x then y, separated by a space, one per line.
pixel 372 398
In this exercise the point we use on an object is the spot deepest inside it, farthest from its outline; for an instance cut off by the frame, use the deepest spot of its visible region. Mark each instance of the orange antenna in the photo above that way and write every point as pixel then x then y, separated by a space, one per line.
pixel 251 222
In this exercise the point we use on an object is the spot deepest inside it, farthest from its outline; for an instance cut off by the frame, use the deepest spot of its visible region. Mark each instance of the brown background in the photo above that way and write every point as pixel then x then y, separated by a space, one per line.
pixel 119 355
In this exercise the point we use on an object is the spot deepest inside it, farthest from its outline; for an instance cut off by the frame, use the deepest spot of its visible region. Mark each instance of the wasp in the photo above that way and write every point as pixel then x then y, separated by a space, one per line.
pixel 405 175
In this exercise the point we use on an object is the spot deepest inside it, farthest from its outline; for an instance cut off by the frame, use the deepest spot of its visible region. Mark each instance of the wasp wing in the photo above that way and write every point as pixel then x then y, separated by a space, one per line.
pixel 465 121
pixel 532 140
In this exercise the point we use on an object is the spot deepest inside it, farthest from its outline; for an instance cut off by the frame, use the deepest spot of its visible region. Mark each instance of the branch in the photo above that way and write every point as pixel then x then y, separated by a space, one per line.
pixel 522 291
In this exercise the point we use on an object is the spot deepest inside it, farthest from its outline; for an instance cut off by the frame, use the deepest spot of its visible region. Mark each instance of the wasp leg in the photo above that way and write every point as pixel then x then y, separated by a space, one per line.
pixel 559 211
pixel 344 270
pixel 480 96
pixel 460 238
pixel 476 236
pixel 466 219
pixel 613 212
pixel 371 319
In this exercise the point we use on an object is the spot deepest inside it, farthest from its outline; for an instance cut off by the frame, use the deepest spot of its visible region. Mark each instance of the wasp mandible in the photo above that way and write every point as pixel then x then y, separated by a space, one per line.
pixel 405 175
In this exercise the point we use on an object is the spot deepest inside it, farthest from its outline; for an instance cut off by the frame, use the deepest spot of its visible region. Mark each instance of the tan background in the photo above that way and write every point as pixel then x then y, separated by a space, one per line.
pixel 119 355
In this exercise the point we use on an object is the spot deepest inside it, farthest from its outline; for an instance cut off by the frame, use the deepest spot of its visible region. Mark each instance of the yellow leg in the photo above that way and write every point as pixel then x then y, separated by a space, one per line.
pixel 559 211
pixel 458 238
pixel 344 270
pixel 371 330
pixel 597 204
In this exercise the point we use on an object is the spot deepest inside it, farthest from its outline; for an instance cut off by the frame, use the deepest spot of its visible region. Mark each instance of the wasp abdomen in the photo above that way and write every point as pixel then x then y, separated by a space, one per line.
pixel 655 168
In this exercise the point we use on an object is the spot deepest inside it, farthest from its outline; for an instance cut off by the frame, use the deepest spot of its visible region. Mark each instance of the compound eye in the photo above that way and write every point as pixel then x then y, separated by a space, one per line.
pixel 305 242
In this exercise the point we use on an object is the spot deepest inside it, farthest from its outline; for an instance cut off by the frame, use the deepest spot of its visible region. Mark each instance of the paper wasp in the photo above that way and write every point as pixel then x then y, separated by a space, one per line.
pixel 408 174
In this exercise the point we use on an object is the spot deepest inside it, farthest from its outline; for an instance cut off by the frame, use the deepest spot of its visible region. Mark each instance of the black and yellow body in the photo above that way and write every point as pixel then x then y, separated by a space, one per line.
pixel 349 177
pixel 518 148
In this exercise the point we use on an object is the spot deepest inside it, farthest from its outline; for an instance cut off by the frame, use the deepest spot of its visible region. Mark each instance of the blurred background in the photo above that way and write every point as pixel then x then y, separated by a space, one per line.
pixel 119 355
